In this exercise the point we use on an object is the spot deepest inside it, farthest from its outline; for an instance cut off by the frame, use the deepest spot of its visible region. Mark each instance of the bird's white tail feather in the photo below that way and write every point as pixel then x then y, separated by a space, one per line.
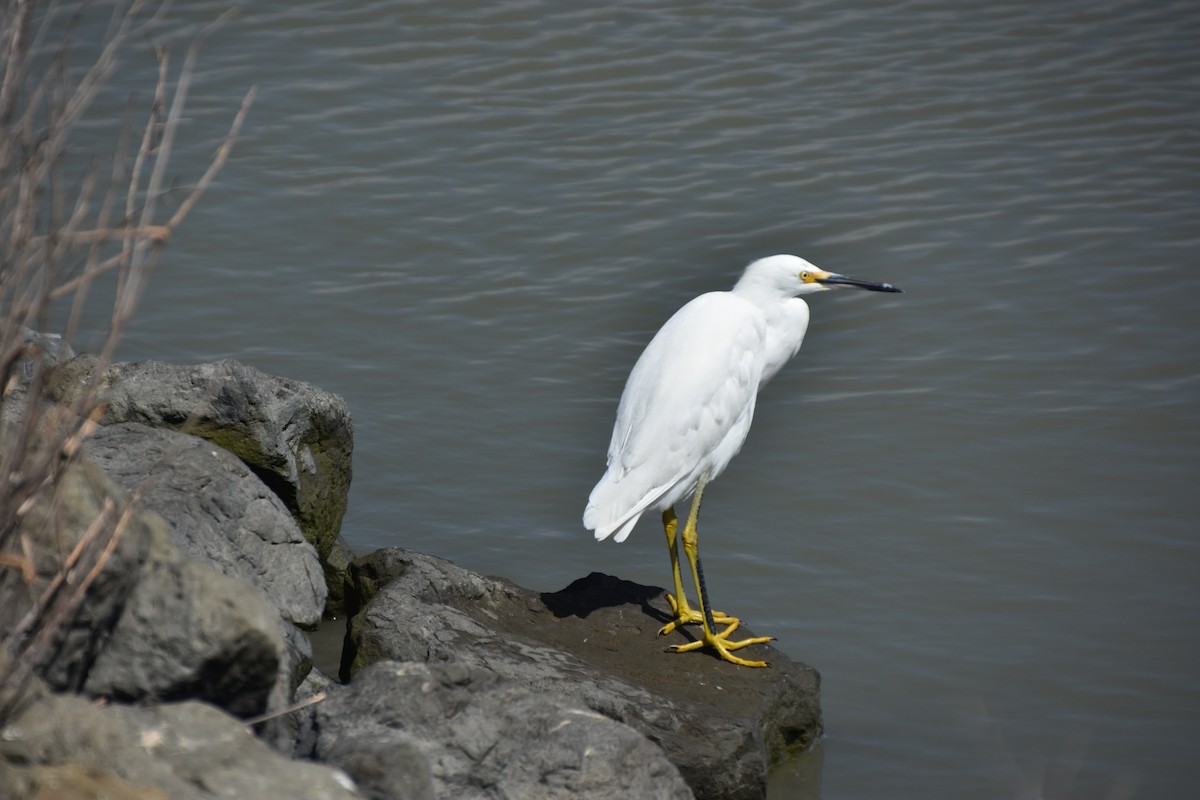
pixel 620 531
pixel 621 526
pixel 606 499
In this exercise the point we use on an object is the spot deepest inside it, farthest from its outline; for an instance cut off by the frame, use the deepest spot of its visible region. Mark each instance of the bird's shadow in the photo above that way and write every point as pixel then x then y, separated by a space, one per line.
pixel 598 591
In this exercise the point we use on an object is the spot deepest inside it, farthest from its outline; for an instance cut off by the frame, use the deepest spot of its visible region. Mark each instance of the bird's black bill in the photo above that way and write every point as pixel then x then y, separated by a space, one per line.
pixel 873 286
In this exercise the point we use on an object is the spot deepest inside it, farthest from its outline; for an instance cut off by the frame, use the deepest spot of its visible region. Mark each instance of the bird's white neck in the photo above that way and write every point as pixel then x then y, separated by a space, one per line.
pixel 787 322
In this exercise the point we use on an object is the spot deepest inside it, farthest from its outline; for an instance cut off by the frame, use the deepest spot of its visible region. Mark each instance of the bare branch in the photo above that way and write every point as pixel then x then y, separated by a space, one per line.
pixel 305 703
pixel 215 166
pixel 56 238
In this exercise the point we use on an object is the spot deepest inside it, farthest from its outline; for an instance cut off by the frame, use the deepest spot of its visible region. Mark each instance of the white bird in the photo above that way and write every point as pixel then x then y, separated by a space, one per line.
pixel 687 408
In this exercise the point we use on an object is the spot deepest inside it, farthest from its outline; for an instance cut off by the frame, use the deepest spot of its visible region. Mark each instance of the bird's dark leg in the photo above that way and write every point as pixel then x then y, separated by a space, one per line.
pixel 708 615
pixel 684 614
pixel 717 641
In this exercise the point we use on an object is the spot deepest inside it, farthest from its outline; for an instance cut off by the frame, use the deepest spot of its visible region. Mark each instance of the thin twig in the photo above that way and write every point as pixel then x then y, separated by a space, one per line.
pixel 56 239
pixel 218 161
pixel 305 703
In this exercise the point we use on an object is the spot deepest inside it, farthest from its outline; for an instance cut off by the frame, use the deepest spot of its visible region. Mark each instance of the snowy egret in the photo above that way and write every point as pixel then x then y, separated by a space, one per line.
pixel 687 408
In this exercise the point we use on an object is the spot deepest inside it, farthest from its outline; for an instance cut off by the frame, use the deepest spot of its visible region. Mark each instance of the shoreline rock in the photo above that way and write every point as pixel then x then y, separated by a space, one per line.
pixel 66 746
pixel 218 511
pixel 460 731
pixel 591 645
pixel 458 685
pixel 297 438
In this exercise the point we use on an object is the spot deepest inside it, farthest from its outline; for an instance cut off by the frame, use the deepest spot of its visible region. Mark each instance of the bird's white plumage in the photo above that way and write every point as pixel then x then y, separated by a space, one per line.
pixel 685 413
pixel 689 401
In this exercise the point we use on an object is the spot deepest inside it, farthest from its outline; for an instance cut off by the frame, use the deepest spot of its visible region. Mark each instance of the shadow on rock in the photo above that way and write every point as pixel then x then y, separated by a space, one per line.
pixel 598 591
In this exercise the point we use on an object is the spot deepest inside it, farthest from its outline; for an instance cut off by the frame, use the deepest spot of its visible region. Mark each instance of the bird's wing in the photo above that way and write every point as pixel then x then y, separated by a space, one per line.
pixel 696 380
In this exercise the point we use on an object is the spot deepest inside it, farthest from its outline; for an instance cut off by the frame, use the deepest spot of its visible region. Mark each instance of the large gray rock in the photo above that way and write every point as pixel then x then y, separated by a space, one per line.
pixel 220 513
pixel 591 645
pixel 63 746
pixel 61 637
pixel 187 631
pixel 424 731
pixel 296 437
pixel 151 624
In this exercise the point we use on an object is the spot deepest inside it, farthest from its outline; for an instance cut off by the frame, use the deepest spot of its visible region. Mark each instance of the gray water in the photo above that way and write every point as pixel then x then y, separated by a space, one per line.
pixel 967 505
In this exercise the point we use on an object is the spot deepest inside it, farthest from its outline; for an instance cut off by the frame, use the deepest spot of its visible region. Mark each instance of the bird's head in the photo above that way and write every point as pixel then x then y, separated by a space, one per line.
pixel 791 276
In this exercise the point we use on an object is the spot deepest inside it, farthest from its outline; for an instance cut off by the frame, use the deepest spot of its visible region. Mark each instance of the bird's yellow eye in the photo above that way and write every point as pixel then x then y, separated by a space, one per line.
pixel 806 277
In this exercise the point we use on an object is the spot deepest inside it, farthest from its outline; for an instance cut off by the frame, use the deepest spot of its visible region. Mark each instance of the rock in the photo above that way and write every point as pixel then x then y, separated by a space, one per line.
pixel 51 348
pixel 423 731
pixel 187 631
pixel 44 351
pixel 594 645
pixel 63 639
pixel 297 438
pixel 337 570
pixel 75 782
pixel 301 723
pixel 220 513
pixel 151 624
pixel 63 746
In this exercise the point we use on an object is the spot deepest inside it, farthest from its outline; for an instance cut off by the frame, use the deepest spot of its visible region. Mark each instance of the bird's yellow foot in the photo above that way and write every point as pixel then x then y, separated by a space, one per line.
pixel 720 642
pixel 686 615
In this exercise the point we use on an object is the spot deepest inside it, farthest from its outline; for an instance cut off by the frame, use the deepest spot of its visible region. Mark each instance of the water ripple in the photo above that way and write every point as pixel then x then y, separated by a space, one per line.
pixel 469 216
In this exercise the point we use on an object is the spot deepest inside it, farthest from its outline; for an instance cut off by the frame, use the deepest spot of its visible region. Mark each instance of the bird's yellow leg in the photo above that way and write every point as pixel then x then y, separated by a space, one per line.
pixel 684 614
pixel 717 641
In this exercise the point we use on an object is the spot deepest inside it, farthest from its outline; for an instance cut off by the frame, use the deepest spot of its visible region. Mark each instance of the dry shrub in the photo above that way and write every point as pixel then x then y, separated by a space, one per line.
pixel 59 234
